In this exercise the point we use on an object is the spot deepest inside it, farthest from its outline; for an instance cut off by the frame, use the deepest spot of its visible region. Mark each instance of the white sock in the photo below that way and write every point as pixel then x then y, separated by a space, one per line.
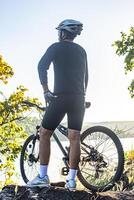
pixel 72 174
pixel 43 170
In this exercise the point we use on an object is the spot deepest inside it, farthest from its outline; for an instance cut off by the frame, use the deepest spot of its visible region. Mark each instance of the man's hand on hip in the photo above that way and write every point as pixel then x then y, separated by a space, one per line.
pixel 49 96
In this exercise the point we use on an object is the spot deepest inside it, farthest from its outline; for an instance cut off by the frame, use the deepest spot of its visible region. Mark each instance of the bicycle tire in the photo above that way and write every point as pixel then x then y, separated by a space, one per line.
pixel 22 157
pixel 119 170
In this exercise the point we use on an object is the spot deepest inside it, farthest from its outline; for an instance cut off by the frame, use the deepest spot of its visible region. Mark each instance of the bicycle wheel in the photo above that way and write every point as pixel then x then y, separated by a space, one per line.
pixel 29 158
pixel 102 159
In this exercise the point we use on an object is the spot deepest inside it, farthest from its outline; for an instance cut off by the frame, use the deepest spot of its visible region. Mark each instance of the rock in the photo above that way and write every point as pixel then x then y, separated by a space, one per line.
pixel 13 192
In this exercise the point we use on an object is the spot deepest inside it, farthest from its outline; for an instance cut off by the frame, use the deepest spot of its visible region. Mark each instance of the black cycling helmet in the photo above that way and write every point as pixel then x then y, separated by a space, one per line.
pixel 70 25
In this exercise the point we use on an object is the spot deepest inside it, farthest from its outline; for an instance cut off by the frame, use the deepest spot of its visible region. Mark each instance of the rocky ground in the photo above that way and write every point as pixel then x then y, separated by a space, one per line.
pixel 13 192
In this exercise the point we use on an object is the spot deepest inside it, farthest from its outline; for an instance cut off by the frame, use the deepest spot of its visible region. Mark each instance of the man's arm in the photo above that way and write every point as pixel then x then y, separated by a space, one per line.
pixel 45 87
pixel 43 66
pixel 86 76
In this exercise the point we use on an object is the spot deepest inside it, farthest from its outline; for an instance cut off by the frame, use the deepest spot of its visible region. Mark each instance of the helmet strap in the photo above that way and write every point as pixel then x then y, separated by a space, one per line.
pixel 63 35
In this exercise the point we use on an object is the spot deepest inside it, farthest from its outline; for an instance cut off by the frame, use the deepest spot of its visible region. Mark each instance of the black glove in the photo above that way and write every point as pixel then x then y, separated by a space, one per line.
pixel 49 96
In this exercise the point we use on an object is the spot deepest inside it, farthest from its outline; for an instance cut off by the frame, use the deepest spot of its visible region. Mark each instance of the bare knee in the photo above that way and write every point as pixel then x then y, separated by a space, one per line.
pixel 45 133
pixel 73 135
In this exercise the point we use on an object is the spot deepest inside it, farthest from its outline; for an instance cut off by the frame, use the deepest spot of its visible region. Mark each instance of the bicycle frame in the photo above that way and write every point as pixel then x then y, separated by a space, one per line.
pixel 64 131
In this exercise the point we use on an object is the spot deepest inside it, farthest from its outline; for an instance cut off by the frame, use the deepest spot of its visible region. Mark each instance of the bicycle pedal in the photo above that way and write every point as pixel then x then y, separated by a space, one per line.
pixel 64 171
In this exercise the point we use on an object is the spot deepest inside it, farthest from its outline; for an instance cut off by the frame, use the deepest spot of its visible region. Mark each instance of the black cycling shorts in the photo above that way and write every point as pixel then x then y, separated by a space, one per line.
pixel 72 105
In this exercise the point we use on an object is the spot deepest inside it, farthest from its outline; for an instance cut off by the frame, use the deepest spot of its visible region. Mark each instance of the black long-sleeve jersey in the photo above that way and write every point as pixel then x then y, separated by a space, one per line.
pixel 70 67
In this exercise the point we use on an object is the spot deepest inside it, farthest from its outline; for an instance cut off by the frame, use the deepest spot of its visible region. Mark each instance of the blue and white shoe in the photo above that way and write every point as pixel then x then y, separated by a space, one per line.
pixel 70 184
pixel 40 182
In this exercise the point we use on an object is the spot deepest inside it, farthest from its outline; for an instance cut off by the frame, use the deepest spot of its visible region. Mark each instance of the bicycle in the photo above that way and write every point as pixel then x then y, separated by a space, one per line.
pixel 101 162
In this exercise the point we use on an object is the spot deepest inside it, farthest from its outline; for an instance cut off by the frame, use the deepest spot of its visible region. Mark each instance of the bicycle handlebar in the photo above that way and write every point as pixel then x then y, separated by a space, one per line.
pixel 30 104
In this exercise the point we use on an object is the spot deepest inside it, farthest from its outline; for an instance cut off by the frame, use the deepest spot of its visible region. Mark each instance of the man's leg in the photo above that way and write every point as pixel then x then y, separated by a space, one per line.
pixel 44 150
pixel 74 153
pixel 53 116
pixel 44 147
pixel 42 179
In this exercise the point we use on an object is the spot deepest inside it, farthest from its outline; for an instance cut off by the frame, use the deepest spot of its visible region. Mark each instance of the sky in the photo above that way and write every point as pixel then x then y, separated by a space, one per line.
pixel 27 29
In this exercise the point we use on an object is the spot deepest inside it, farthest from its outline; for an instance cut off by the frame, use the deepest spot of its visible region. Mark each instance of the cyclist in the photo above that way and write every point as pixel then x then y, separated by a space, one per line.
pixel 70 83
